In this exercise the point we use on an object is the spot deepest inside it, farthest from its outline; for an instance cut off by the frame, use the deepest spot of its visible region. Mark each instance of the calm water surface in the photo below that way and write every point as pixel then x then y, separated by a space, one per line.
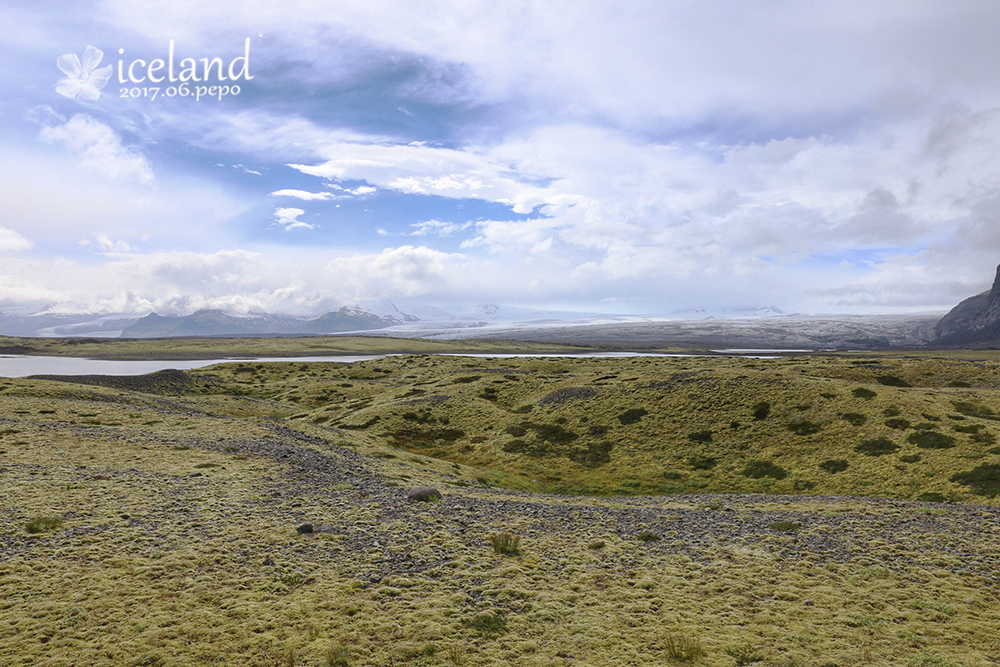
pixel 15 366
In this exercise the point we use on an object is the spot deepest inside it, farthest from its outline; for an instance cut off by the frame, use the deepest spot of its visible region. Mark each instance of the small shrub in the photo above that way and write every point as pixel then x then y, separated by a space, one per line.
pixel 931 497
pixel 931 440
pixel 910 458
pixel 671 474
pixel 43 524
pixel 632 416
pixel 892 411
pixel 898 423
pixel 861 392
pixel 803 485
pixel 983 480
pixel 703 437
pixel 761 410
pixel 681 648
pixel 761 469
pixel 960 384
pixel 833 466
pixel 647 536
pixel 854 418
pixel 466 379
pixel 744 654
pixel 968 428
pixel 516 430
pixel 877 447
pixel 506 544
pixel 803 427
pixel 596 545
pixel 892 381
pixel 701 463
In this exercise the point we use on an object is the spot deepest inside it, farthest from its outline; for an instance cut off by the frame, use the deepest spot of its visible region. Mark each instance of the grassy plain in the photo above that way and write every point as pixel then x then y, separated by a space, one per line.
pixel 710 511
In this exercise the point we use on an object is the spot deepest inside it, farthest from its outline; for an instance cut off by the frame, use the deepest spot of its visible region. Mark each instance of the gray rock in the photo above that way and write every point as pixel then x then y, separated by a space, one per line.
pixel 305 528
pixel 423 494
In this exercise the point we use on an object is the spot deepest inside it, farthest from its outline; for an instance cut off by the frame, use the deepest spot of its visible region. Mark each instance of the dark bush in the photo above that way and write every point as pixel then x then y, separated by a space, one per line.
pixel 761 469
pixel 854 418
pixel 898 423
pixel 931 440
pixel 597 430
pixel 877 447
pixel 866 394
pixel 983 480
pixel 671 474
pixel 968 428
pixel 632 416
pixel 465 379
pixel 931 497
pixel 761 410
pixel 516 430
pixel 803 427
pixel 833 466
pixel 910 458
pixel 892 381
pixel 702 462
pixel 700 436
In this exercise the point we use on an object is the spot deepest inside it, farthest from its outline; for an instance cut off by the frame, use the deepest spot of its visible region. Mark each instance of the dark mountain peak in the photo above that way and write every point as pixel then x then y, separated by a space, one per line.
pixel 974 321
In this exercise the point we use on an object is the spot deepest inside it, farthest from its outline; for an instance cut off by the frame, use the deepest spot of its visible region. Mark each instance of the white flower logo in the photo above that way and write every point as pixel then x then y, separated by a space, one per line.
pixel 82 80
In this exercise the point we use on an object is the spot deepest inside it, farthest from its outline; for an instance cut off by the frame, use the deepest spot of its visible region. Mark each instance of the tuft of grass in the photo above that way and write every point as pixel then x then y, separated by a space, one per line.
pixel 682 648
pixel 647 536
pixel 783 526
pixel 43 524
pixel 486 623
pixel 761 410
pixel 506 544
pixel 744 654
pixel 931 440
pixel 861 392
pixel 632 416
pixel 803 427
pixel 700 463
pixel 704 437
pixel 854 418
pixel 892 381
pixel 834 466
pixel 761 469
pixel 983 480
pixel 877 447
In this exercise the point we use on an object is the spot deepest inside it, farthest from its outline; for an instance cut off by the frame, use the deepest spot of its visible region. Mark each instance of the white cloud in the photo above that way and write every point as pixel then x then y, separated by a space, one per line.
pixel 302 194
pixel 99 148
pixel 438 228
pixel 289 219
pixel 110 246
pixel 11 241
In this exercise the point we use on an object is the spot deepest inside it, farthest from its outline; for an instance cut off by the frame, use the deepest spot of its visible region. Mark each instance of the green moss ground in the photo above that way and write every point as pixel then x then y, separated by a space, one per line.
pixel 178 504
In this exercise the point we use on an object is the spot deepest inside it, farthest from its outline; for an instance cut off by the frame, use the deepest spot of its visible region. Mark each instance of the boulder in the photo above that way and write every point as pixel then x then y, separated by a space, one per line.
pixel 423 494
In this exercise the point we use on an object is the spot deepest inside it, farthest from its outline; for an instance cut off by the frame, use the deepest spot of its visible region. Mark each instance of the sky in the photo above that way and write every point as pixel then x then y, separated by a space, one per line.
pixel 620 156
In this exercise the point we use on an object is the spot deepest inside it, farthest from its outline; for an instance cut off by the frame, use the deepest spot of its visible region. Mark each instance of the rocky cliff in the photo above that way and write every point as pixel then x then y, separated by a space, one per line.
pixel 975 321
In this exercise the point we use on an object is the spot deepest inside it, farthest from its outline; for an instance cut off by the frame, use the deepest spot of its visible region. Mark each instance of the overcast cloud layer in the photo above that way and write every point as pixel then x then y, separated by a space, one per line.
pixel 631 157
